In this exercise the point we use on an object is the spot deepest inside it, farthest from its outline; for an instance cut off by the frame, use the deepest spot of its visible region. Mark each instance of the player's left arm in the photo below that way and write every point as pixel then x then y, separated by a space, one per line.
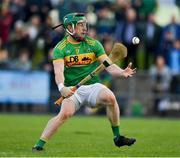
pixel 115 70
pixel 112 68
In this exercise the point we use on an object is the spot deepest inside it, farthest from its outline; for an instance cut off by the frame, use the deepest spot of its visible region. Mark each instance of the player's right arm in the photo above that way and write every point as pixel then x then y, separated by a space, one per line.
pixel 59 71
pixel 59 75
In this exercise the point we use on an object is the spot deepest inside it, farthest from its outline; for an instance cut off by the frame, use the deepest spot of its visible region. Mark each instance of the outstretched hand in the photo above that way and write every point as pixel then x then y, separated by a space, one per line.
pixel 129 71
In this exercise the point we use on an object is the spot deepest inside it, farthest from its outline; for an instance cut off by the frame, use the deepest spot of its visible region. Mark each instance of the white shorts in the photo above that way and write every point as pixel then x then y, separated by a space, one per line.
pixel 86 95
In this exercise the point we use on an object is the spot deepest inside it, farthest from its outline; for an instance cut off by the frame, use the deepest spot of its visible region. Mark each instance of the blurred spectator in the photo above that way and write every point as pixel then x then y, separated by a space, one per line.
pixel 4 59
pixel 106 21
pixel 161 78
pixel 92 32
pixel 174 58
pixel 108 45
pixel 40 7
pixel 166 8
pixel 175 86
pixel 34 27
pixel 91 16
pixel 5 23
pixel 49 36
pixel 18 10
pixel 19 39
pixel 58 35
pixel 151 37
pixel 46 65
pixel 64 8
pixel 44 9
pixel 124 33
pixel 144 8
pixel 137 4
pixel 53 16
pixel 108 42
pixel 174 64
pixel 23 62
pixel 169 34
pixel 166 45
pixel 173 27
pixel 79 6
pixel 120 7
pixel 54 3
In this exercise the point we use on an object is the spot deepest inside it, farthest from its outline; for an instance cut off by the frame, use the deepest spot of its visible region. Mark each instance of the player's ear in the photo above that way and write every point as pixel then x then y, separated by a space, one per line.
pixel 69 27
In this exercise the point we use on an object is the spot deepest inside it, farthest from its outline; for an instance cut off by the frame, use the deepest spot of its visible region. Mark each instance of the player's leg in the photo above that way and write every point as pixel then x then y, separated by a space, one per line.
pixel 67 110
pixel 106 98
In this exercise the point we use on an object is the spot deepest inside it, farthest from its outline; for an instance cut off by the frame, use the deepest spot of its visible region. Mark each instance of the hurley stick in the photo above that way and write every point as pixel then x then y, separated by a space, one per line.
pixel 118 52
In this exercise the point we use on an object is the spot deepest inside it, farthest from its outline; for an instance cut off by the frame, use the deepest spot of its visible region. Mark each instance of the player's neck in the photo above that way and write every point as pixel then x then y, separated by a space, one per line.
pixel 72 40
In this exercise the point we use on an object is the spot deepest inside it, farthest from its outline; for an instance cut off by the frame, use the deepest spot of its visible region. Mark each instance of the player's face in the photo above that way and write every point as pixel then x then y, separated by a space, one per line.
pixel 81 29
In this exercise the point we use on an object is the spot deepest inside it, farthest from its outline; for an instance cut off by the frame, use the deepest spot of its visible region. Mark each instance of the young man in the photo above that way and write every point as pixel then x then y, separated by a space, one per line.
pixel 75 56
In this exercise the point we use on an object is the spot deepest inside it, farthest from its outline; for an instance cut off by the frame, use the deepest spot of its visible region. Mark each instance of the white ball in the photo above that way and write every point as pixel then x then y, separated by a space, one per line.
pixel 135 40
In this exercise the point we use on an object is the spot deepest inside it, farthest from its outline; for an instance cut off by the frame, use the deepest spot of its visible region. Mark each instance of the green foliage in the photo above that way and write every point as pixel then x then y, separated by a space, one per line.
pixel 89 137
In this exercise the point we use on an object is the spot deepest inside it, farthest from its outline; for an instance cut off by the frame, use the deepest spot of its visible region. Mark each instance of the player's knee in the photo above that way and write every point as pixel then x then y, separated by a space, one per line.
pixel 65 114
pixel 67 110
pixel 109 98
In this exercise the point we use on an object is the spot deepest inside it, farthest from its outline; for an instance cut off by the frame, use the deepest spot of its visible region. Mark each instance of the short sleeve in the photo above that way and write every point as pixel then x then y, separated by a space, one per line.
pixel 99 49
pixel 57 54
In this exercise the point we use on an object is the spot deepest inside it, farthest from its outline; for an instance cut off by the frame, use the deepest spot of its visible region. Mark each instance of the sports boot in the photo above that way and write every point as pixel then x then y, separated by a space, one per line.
pixel 37 149
pixel 122 141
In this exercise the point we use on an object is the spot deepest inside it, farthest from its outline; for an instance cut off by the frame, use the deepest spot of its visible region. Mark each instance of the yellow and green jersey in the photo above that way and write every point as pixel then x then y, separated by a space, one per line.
pixel 79 59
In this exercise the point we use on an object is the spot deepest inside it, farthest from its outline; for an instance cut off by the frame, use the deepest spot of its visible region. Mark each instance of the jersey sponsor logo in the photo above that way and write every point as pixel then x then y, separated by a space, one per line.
pixel 80 59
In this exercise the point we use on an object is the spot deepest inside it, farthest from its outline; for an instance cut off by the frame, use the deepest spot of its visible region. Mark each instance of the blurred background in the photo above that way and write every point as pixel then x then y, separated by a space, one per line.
pixel 27 82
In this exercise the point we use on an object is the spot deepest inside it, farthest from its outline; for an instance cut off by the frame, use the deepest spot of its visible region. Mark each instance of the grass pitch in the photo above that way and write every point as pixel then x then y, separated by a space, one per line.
pixel 89 137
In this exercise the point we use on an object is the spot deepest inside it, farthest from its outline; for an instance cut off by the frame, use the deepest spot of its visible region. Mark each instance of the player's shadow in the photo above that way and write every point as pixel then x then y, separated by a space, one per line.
pixel 82 132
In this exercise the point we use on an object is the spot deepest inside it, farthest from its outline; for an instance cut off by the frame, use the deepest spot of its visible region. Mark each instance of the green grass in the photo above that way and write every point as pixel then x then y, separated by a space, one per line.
pixel 89 137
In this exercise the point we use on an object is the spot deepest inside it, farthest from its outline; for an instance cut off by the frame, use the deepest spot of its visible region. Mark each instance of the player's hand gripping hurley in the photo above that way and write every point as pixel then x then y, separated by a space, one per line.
pixel 118 52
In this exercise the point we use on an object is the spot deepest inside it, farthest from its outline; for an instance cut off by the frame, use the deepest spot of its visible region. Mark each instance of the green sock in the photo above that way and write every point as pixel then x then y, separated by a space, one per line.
pixel 115 130
pixel 40 143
